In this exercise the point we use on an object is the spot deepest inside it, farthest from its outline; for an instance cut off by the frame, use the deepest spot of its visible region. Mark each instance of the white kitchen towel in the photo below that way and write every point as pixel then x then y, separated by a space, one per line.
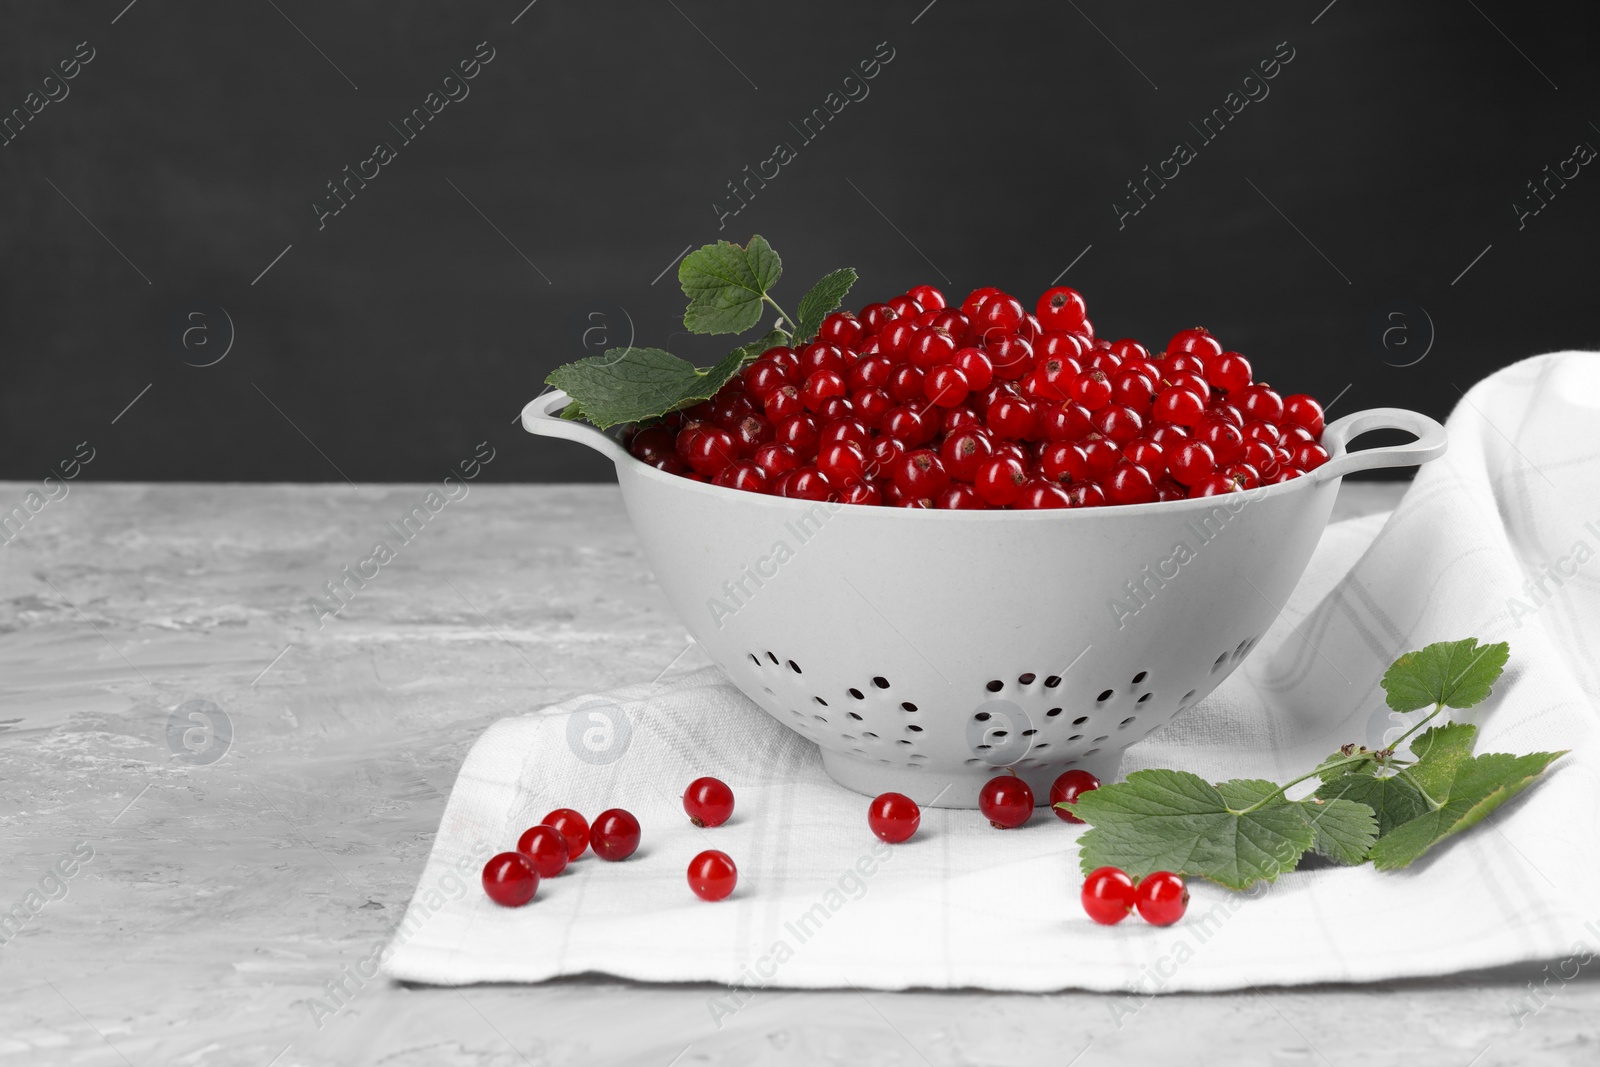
pixel 1498 540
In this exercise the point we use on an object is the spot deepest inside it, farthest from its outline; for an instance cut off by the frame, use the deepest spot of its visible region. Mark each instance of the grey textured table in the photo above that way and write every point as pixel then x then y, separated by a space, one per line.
pixel 223 899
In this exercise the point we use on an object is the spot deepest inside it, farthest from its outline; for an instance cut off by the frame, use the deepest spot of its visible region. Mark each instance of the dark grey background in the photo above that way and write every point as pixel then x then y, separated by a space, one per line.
pixel 593 147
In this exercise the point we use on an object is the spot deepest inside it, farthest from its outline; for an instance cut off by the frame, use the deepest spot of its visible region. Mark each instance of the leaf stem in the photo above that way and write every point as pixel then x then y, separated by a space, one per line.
pixel 1419 724
pixel 793 328
pixel 1363 757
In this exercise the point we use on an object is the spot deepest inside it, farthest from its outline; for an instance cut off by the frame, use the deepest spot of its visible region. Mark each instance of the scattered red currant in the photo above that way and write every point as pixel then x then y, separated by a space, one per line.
pixel 510 879
pixel 1067 788
pixel 572 826
pixel 1161 898
pixel 1108 895
pixel 1006 801
pixel 615 834
pixel 712 875
pixel 708 801
pixel 894 817
pixel 545 848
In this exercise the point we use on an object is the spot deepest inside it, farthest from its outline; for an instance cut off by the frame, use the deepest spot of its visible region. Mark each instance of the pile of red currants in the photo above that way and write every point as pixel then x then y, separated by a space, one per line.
pixel 914 403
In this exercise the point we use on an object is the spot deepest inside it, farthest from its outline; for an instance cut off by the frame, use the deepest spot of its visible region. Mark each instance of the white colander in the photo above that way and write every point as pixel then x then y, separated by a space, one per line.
pixel 924 650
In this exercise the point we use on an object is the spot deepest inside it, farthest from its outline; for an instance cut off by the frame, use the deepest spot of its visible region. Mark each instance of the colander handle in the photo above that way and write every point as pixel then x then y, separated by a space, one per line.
pixel 542 415
pixel 1429 445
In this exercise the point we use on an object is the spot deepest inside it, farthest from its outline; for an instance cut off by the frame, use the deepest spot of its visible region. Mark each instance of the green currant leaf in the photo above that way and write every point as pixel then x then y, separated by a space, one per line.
pixel 725 285
pixel 819 303
pixel 1440 752
pixel 633 384
pixel 1479 786
pixel 1455 674
pixel 1394 799
pixel 1345 829
pixel 1236 833
pixel 572 411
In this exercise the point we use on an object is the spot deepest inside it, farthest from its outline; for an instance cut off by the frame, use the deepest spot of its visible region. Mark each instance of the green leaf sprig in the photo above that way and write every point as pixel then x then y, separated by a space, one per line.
pixel 1369 805
pixel 728 287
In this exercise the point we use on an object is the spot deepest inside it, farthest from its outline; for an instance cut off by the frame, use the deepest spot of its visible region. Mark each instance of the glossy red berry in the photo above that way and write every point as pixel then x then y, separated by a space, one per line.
pixel 946 386
pixel 1308 456
pixel 819 386
pixel 1181 407
pixel 615 835
pixel 842 463
pixel 572 826
pixel 1192 463
pixel 975 365
pixel 1040 494
pixel 712 875
pixel 1067 788
pixel 1261 402
pixel 1302 410
pixel 927 297
pixel 1000 314
pixel 894 817
pixel 708 802
pixel 921 474
pixel 1108 895
pixel 1229 371
pixel 1162 898
pixel 842 329
pixel 545 848
pixel 960 497
pixel 1061 308
pixel 1128 483
pixel 963 452
pixel 999 480
pixel 510 879
pixel 1006 801
pixel 1196 341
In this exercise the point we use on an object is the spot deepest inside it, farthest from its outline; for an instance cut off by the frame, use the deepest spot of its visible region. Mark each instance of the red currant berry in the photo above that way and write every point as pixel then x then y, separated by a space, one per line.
pixel 871 406
pixel 955 420
pixel 1215 485
pixel 960 497
pixel 1101 455
pixel 1092 389
pixel 1011 418
pixel 894 817
pixel 905 384
pixel 920 474
pixel 1069 421
pixel 1301 410
pixel 845 431
pixel 804 483
pixel 1067 788
pixel 842 329
pixel 1262 456
pixel 1225 439
pixel 615 835
pixel 1243 475
pixel 1006 801
pixel 999 480
pixel 1261 402
pixel 712 875
pixel 781 403
pixel 1192 463
pixel 1309 456
pixel 774 459
pixel 1128 349
pixel 708 801
pixel 656 442
pixel 573 827
pixel 927 296
pixel 510 879
pixel 1108 895
pixel 1041 494
pixel 931 348
pixel 1128 483
pixel 819 386
pixel 963 452
pixel 1085 495
pixel 1118 423
pixel 905 306
pixel 842 463
pixel 870 373
pixel 1229 371
pixel 861 493
pixel 874 317
pixel 1178 406
pixel 1162 898
pixel 1061 308
pixel 975 365
pixel 1063 461
pixel 1149 455
pixel 1000 314
pixel 976 298
pixel 1012 357
pixel 946 386
pixel 745 476
pixel 1196 341
pixel 545 848
pixel 800 432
